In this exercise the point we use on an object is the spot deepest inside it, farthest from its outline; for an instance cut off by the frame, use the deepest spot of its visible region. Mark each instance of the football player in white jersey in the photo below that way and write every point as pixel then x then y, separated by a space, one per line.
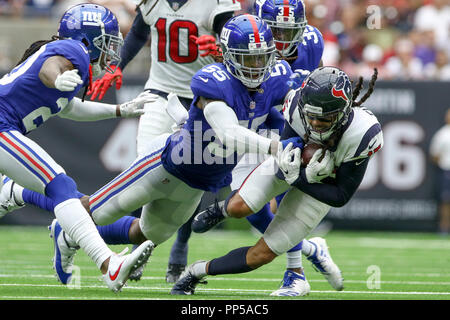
pixel 183 40
pixel 323 111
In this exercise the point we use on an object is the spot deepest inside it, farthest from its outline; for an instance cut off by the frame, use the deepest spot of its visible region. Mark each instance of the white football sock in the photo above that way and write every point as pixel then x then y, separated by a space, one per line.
pixel 308 248
pixel 199 269
pixel 294 259
pixel 17 194
pixel 78 225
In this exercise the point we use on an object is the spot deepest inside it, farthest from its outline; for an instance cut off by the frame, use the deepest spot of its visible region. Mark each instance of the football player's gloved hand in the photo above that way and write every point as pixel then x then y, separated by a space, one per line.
pixel 297 142
pixel 68 80
pixel 297 77
pixel 316 170
pixel 289 163
pixel 207 44
pixel 135 107
pixel 100 86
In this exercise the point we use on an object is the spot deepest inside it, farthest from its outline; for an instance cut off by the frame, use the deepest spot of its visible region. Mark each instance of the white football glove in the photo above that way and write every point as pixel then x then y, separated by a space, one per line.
pixel 135 107
pixel 176 110
pixel 68 80
pixel 317 170
pixel 289 162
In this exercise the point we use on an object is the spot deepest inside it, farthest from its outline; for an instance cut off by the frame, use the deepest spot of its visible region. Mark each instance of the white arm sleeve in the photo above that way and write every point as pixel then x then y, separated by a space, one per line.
pixel 88 110
pixel 225 124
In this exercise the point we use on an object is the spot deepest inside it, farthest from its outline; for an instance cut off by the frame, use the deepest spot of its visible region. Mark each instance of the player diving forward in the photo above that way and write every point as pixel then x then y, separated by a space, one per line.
pixel 301 45
pixel 231 101
pixel 44 84
pixel 175 58
pixel 324 111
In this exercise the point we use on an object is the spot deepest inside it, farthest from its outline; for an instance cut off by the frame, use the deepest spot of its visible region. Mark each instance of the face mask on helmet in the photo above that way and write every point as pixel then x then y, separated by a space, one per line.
pixel 109 47
pixel 325 102
pixel 248 49
pixel 322 125
pixel 98 29
pixel 287 20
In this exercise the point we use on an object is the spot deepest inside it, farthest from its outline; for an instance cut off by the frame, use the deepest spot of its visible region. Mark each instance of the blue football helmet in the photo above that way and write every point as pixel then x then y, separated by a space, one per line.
pixel 327 96
pixel 287 19
pixel 97 27
pixel 248 49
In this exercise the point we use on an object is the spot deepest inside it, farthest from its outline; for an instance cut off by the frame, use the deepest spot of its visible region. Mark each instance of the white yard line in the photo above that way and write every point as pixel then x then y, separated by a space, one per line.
pixel 234 290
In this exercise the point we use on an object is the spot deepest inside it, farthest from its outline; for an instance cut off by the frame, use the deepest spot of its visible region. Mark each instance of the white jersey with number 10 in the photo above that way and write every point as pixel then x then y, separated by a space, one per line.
pixel 175 58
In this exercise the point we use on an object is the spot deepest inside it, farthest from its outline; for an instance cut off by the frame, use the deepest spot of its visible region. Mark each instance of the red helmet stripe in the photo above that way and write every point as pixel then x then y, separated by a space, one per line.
pixel 286 8
pixel 255 28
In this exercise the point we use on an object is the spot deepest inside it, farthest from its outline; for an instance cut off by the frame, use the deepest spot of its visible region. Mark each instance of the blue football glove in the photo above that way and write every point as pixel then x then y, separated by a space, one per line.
pixel 296 79
pixel 296 141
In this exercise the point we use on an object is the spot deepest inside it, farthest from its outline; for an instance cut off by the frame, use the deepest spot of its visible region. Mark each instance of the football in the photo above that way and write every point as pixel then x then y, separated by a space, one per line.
pixel 308 151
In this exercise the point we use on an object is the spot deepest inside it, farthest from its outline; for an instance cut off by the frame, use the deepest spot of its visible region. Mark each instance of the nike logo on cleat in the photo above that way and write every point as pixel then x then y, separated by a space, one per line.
pixel 114 276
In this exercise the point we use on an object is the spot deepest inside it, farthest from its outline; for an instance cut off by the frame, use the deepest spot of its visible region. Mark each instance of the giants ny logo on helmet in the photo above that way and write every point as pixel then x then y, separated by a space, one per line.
pixel 91 18
pixel 342 88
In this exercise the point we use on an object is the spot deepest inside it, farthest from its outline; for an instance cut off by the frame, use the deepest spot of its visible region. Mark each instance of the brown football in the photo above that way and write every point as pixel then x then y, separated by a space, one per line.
pixel 308 151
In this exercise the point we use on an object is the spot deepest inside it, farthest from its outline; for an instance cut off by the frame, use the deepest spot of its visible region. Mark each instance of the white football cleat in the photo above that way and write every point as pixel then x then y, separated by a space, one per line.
pixel 63 253
pixel 122 266
pixel 322 262
pixel 8 202
pixel 294 285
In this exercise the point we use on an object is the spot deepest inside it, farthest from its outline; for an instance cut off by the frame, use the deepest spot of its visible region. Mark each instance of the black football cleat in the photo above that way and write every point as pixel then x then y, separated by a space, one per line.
pixel 208 218
pixel 187 282
pixel 173 272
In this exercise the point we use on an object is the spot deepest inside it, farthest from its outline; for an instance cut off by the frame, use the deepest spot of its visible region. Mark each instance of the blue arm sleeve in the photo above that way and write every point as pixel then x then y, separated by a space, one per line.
pixel 135 40
pixel 288 132
pixel 335 192
pixel 275 120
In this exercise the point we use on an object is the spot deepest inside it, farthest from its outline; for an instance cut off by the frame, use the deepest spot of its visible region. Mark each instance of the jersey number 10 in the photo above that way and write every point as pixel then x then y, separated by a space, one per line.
pixel 172 37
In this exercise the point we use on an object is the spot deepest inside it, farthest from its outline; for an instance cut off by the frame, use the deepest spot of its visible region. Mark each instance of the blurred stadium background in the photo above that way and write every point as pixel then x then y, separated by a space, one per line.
pixel 408 41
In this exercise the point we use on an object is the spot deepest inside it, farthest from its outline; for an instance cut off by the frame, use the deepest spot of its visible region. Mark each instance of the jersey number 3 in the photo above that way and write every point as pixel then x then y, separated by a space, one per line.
pixel 179 30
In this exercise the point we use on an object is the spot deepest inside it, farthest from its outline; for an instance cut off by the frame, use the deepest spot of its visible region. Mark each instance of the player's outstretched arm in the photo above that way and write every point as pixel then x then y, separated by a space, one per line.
pixel 78 110
pixel 133 43
pixel 225 124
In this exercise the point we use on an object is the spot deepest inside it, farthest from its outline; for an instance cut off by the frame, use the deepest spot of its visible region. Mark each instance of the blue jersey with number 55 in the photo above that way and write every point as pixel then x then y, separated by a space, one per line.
pixel 194 154
pixel 309 52
pixel 25 102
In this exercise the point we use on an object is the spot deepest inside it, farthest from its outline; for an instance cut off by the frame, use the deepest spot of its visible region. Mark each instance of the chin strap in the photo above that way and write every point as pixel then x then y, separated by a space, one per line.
pixel 89 85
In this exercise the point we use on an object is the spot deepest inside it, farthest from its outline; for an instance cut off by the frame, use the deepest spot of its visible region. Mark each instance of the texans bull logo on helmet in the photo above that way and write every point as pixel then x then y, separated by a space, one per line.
pixel 342 88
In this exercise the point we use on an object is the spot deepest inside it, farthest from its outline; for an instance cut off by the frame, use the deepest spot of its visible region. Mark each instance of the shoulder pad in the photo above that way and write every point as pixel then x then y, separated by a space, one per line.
pixel 212 81
pixel 364 136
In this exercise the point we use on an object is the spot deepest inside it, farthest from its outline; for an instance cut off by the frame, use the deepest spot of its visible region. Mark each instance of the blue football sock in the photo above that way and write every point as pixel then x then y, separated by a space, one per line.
pixel 117 232
pixel 37 199
pixel 261 219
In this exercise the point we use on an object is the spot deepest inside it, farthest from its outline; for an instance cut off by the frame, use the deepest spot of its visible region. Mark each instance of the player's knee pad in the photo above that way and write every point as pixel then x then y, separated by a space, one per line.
pixel 62 188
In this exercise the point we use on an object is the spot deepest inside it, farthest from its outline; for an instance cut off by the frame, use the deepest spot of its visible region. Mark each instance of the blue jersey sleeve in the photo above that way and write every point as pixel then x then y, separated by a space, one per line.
pixel 75 52
pixel 210 82
pixel 279 82
pixel 310 51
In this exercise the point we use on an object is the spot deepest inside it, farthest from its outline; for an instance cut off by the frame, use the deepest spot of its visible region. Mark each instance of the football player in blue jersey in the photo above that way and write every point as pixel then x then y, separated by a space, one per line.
pixel 301 45
pixel 44 84
pixel 174 60
pixel 231 101
pixel 323 111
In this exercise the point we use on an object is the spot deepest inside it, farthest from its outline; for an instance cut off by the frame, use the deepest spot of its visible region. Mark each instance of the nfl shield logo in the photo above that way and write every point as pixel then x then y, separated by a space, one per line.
pixel 175 6
pixel 252 105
